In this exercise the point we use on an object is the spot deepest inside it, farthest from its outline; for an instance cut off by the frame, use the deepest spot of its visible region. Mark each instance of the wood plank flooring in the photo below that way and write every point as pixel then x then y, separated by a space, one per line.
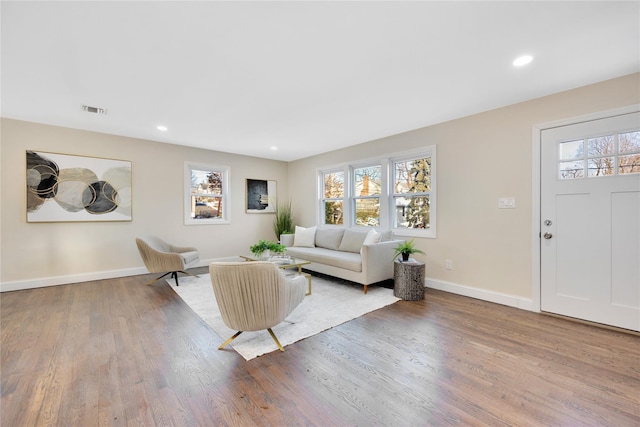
pixel 117 352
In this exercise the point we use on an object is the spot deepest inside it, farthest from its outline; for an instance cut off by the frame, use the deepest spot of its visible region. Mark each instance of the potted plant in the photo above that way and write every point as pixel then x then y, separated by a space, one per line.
pixel 283 222
pixel 263 246
pixel 405 249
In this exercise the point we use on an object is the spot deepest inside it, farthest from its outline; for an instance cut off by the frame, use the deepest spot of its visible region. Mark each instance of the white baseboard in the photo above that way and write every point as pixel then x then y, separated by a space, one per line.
pixel 43 282
pixel 70 279
pixel 482 294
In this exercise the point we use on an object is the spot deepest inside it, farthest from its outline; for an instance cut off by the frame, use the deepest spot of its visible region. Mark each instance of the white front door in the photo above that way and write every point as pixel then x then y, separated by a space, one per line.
pixel 590 221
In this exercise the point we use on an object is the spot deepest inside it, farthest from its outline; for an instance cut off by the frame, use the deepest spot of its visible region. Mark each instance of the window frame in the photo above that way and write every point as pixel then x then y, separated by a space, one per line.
pixel 225 196
pixel 429 151
pixel 387 200
pixel 353 197
pixel 322 199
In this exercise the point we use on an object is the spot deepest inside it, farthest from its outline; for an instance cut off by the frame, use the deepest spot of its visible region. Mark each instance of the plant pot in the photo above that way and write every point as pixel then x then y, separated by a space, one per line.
pixel 405 257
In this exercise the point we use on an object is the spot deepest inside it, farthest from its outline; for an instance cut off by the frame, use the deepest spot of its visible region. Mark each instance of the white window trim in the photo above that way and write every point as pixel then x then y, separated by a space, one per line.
pixel 226 196
pixel 386 207
pixel 352 197
pixel 428 151
pixel 320 192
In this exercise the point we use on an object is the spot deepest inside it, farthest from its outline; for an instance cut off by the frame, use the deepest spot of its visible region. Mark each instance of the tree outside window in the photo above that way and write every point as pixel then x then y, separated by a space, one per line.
pixel 395 193
pixel 333 197
pixel 412 192
pixel 367 189
pixel 207 198
pixel 602 156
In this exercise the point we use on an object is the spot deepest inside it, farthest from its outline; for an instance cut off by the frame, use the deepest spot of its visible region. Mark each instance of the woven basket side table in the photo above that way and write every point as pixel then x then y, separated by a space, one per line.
pixel 408 280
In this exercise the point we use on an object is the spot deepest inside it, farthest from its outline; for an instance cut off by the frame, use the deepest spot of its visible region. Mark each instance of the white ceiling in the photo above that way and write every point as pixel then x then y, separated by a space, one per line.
pixel 307 77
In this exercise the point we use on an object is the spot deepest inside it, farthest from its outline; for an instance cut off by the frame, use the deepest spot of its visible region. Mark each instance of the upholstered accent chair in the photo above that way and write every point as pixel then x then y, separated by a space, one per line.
pixel 255 295
pixel 162 257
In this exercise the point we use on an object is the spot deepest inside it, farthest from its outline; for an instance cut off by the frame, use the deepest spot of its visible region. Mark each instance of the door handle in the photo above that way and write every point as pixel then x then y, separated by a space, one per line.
pixel 547 235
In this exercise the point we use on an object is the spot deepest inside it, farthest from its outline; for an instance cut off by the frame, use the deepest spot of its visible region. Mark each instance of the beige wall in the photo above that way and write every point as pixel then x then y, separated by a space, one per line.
pixel 36 254
pixel 479 159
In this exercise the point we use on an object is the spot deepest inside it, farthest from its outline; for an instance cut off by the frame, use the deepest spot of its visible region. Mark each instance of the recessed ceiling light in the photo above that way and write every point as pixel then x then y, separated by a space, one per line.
pixel 274 148
pixel 162 128
pixel 522 60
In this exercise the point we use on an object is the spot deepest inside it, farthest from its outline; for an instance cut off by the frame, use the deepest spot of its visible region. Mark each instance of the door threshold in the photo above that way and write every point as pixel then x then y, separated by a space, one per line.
pixel 595 324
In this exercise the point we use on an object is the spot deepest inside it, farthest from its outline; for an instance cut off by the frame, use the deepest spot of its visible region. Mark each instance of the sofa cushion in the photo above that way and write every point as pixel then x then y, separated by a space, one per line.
pixel 347 260
pixel 385 236
pixel 372 237
pixel 190 257
pixel 304 237
pixel 352 241
pixel 328 238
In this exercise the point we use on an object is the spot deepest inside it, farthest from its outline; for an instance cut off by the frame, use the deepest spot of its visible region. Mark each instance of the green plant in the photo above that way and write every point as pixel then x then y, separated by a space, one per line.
pixel 263 245
pixel 405 249
pixel 283 222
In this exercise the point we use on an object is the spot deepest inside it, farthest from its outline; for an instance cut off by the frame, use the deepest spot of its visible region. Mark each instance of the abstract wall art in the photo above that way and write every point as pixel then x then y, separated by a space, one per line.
pixel 261 196
pixel 67 188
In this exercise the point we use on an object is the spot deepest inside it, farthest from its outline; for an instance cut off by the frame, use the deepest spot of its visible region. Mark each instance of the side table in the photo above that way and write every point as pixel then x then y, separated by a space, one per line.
pixel 408 280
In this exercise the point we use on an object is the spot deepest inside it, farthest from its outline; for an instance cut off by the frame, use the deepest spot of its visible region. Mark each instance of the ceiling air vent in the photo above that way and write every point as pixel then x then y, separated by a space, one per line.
pixel 95 110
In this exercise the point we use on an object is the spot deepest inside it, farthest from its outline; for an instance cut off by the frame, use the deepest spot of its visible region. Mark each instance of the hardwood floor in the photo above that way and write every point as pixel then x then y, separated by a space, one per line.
pixel 117 352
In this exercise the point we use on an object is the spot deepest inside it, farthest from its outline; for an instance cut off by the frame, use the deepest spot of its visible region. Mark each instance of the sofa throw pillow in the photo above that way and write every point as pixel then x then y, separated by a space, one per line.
pixel 328 238
pixel 385 236
pixel 372 237
pixel 304 237
pixel 352 241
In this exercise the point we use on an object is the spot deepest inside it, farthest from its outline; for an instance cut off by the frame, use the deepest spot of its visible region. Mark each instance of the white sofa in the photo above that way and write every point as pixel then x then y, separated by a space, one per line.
pixel 344 253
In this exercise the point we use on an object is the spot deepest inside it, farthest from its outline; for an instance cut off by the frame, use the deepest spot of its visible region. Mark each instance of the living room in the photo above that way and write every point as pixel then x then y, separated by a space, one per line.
pixel 467 195
pixel 62 253
pixel 482 156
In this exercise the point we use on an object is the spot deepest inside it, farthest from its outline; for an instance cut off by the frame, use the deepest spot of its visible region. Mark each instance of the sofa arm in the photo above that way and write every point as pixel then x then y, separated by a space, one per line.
pixel 377 260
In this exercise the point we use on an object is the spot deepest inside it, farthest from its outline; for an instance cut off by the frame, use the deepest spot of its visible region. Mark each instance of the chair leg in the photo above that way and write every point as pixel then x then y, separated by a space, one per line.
pixel 229 340
pixel 275 339
pixel 157 278
pixel 175 275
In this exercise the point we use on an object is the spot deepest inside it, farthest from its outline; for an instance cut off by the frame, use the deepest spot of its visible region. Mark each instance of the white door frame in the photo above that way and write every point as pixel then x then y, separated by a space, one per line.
pixel 536 190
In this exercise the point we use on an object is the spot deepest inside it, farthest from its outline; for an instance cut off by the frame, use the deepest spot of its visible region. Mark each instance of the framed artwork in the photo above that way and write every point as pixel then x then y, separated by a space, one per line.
pixel 68 188
pixel 261 196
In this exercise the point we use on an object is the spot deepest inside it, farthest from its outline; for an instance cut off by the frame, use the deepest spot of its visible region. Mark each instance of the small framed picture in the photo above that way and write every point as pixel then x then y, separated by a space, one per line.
pixel 261 196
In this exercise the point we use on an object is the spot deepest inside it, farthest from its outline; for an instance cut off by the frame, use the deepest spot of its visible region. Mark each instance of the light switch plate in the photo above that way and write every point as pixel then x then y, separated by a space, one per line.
pixel 507 203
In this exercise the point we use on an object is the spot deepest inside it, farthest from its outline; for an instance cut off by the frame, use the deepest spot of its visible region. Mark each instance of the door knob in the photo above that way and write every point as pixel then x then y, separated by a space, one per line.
pixel 547 235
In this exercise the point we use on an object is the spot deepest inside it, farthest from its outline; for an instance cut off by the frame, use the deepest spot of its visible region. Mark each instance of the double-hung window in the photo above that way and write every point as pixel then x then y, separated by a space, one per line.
pixel 396 193
pixel 332 205
pixel 412 195
pixel 367 189
pixel 206 194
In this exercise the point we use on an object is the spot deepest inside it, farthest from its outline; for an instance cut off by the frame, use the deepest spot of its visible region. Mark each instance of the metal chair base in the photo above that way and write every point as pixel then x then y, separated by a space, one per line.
pixel 173 274
pixel 224 344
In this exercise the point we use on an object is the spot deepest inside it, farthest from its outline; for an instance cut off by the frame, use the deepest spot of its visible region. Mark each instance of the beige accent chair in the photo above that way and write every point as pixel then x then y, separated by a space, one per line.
pixel 162 257
pixel 255 295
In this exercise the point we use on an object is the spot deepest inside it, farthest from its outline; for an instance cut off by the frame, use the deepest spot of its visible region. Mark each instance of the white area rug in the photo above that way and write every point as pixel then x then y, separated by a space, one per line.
pixel 331 304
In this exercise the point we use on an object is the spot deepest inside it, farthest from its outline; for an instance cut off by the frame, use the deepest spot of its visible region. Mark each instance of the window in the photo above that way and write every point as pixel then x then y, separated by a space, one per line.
pixel 394 193
pixel 333 197
pixel 207 194
pixel 412 193
pixel 617 154
pixel 366 198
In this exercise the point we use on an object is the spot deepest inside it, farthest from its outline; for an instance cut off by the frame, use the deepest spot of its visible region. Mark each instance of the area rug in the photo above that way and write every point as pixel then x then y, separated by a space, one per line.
pixel 331 304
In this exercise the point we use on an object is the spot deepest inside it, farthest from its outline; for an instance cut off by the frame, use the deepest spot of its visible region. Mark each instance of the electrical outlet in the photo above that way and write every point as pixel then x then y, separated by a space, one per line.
pixel 448 264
